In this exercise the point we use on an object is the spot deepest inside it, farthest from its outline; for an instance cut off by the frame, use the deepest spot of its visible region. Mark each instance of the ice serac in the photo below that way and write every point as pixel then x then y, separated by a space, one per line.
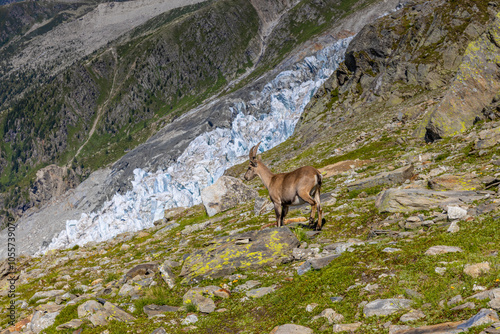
pixel 281 102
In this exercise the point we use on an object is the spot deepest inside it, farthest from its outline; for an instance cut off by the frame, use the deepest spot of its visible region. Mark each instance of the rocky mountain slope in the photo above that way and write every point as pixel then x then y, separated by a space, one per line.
pixel 410 195
pixel 409 245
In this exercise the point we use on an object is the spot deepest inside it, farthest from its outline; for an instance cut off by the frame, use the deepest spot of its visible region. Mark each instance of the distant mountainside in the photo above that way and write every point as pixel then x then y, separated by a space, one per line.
pixel 6 2
pixel 83 106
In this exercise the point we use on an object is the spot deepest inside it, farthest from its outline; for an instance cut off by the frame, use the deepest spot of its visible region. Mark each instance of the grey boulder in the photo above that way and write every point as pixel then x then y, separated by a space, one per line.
pixel 407 200
pixel 226 193
pixel 385 178
pixel 383 307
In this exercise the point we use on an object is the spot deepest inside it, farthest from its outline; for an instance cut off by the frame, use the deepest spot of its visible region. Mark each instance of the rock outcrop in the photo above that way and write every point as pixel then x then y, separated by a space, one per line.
pixel 474 86
pixel 51 182
pixel 225 255
pixel 407 200
pixel 383 179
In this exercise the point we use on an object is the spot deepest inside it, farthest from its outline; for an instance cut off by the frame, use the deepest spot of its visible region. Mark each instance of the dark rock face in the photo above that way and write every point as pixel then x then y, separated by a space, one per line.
pixel 473 88
pixel 414 61
pixel 52 181
pixel 224 255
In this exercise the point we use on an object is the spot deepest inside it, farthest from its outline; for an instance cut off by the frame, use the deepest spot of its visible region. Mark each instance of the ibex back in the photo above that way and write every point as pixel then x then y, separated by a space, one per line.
pixel 303 185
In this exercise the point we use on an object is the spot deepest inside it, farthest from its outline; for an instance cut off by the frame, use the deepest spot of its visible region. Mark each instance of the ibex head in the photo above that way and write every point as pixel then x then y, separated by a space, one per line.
pixel 254 163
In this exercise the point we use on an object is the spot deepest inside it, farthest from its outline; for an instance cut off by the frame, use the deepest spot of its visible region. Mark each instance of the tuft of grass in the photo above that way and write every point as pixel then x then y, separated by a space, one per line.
pixel 77 291
pixel 191 308
pixel 158 295
pixel 300 233
pixel 112 276
pixel 369 191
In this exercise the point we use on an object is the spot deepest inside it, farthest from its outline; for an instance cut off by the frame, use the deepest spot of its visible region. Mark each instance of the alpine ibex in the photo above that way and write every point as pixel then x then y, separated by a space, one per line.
pixel 286 189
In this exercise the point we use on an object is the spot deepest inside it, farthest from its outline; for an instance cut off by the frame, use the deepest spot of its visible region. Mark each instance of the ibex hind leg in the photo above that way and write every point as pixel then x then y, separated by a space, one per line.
pixel 307 198
pixel 320 211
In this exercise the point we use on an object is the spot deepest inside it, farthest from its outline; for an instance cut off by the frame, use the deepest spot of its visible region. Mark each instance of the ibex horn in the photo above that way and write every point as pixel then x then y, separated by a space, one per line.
pixel 253 152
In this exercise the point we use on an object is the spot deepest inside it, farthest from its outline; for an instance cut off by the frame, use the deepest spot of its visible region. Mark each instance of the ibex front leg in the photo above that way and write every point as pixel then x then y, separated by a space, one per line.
pixel 284 211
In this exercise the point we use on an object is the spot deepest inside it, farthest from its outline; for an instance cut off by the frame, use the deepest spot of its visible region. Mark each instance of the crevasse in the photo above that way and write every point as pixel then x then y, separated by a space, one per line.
pixel 210 154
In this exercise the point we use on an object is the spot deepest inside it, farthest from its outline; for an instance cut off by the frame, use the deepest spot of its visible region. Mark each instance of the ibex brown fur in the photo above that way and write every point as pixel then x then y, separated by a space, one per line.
pixel 286 189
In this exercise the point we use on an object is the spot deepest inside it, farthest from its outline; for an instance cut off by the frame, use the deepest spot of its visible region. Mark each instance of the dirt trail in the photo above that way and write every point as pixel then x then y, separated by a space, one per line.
pixel 100 109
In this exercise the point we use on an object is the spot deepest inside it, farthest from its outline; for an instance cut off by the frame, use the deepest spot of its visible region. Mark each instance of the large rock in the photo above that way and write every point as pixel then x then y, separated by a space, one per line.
pixel 473 88
pixel 152 310
pixel 407 200
pixel 413 315
pixel 166 273
pixel 47 294
pixel 100 315
pixel 475 270
pixel 331 316
pixel 488 138
pixel 488 294
pixel 51 182
pixel 130 290
pixel 144 269
pixel 386 178
pixel 383 307
pixel 223 256
pixel 73 324
pixel 201 297
pixel 42 320
pixel 455 182
pixel 260 292
pixel 437 250
pixel 444 328
pixel 89 307
pixel 226 193
pixel 346 327
pixel 484 316
pixel 262 206
pixel 318 263
pixel 291 329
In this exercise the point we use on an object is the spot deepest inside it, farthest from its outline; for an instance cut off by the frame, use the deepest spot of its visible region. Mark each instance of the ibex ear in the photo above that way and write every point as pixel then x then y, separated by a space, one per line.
pixel 259 158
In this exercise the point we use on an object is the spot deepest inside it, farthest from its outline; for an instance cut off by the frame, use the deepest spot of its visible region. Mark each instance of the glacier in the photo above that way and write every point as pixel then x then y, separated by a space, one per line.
pixel 281 103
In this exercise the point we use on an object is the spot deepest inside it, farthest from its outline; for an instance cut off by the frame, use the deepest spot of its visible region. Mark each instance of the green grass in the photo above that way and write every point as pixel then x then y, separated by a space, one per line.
pixel 67 314
pixel 369 191
pixel 158 295
pixel 365 264
pixel 300 234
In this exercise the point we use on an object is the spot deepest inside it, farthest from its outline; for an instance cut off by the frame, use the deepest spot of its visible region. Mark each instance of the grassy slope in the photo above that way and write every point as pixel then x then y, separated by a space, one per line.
pixel 394 272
